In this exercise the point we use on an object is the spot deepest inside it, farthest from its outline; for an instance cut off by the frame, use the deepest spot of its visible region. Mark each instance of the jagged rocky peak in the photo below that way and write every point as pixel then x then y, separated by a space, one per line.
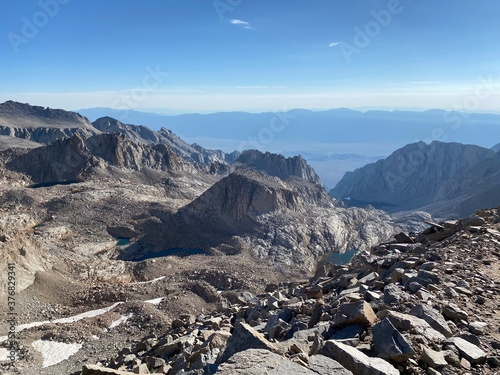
pixel 278 165
pixel 244 194
pixel 142 134
pixel 78 157
pixel 138 133
pixel 413 177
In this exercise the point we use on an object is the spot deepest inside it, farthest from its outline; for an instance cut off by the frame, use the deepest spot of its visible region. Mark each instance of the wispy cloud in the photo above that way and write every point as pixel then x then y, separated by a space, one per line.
pixel 333 44
pixel 241 23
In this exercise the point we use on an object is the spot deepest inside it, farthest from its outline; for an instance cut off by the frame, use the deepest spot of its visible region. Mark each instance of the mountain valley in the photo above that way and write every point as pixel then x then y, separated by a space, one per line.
pixel 124 237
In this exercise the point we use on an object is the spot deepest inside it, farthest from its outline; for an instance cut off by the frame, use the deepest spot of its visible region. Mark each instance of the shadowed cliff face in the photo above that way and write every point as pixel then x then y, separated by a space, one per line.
pixel 278 165
pixel 76 158
pixel 292 222
pixel 419 176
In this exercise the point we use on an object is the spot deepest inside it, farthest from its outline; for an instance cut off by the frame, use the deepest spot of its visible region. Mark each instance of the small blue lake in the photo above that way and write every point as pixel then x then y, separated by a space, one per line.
pixel 122 241
pixel 342 258
pixel 171 252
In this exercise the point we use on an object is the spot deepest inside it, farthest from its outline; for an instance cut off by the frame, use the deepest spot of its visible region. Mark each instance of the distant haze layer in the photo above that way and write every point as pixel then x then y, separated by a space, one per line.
pixel 333 141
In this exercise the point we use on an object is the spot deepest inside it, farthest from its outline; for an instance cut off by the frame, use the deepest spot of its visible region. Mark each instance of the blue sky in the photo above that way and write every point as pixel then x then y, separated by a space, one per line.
pixel 177 56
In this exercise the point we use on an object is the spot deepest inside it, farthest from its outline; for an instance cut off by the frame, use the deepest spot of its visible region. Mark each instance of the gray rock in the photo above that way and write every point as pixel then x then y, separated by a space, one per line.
pixel 414 325
pixel 260 361
pixel 478 328
pixel 393 294
pixel 323 365
pixel 433 317
pixel 452 311
pixel 355 313
pixel 245 337
pixel 468 350
pixel 356 361
pixel 389 343
pixel 403 238
pixel 432 358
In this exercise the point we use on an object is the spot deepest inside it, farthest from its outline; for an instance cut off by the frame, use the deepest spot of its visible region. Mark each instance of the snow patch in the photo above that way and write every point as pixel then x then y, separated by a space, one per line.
pixel 155 301
pixel 71 319
pixel 88 314
pixel 122 319
pixel 55 352
pixel 148 282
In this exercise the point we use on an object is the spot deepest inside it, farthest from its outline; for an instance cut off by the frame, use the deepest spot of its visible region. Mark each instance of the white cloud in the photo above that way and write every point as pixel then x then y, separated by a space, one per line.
pixel 333 44
pixel 241 23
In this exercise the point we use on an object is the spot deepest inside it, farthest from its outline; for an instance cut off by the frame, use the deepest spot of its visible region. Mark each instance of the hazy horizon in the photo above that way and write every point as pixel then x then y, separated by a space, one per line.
pixel 203 57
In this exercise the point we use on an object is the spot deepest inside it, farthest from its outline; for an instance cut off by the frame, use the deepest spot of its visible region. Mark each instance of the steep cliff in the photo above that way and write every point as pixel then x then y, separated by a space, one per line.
pixel 77 158
pixel 416 176
pixel 278 165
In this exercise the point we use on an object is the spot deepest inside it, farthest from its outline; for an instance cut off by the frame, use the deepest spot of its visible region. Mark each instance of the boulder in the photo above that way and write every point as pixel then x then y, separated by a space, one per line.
pixel 469 351
pixel 405 322
pixel 432 358
pixel 323 365
pixel 355 313
pixel 245 337
pixel 356 361
pixel 389 343
pixel 258 362
pixel 433 317
pixel 393 294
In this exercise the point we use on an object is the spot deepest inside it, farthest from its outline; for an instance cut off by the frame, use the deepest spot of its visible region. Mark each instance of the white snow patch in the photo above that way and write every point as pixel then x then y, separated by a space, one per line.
pixel 148 282
pixel 122 319
pixel 88 314
pixel 155 301
pixel 55 352
pixel 71 319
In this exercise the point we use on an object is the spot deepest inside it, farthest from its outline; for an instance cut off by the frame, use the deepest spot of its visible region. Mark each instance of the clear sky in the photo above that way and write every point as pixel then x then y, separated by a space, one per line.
pixel 180 56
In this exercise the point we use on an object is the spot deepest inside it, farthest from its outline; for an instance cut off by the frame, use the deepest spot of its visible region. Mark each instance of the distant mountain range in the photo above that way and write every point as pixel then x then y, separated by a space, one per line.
pixel 445 179
pixel 333 141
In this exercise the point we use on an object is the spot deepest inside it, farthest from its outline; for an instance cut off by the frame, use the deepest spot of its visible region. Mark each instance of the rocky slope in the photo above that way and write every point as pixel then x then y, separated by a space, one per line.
pixel 425 303
pixel 437 178
pixel 291 223
pixel 76 158
pixel 277 165
pixel 41 125
pixel 143 134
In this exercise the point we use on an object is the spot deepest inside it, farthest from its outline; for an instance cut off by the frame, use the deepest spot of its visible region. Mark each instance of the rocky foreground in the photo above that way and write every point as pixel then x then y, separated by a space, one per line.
pixel 421 304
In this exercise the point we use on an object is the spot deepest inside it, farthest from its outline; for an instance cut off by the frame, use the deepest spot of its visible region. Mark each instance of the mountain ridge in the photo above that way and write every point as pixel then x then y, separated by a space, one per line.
pixel 421 176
